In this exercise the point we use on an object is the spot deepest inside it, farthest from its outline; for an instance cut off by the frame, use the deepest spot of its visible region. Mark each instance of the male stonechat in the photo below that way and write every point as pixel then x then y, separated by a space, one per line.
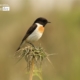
pixel 35 32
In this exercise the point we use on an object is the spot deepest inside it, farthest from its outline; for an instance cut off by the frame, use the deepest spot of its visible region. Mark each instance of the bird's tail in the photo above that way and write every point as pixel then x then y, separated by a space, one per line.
pixel 22 43
pixel 19 46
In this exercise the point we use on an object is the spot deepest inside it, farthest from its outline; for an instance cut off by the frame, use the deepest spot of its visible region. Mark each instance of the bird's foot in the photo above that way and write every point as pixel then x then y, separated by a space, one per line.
pixel 31 44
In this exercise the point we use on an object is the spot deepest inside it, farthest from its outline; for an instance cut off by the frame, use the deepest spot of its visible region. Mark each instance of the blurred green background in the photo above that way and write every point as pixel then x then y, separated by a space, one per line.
pixel 61 37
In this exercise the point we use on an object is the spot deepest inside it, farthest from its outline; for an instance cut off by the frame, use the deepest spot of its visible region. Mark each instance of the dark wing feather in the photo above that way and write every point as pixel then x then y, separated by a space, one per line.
pixel 30 30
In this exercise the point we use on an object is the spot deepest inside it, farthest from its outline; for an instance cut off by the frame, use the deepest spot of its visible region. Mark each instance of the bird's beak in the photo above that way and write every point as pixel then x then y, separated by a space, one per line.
pixel 49 22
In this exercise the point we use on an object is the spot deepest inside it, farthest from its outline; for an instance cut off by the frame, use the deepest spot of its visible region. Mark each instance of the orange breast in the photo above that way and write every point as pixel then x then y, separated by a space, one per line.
pixel 41 29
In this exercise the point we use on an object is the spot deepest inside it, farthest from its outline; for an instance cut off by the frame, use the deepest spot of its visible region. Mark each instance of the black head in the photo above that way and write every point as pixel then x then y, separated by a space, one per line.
pixel 42 21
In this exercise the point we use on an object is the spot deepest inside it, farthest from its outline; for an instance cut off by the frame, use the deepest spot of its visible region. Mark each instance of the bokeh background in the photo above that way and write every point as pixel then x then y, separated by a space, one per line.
pixel 61 37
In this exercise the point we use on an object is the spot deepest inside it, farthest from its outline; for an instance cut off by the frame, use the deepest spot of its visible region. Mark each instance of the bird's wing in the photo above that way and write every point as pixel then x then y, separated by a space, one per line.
pixel 30 30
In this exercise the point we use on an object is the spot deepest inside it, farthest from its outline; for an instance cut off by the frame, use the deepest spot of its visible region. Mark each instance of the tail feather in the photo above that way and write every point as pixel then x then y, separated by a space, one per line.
pixel 19 46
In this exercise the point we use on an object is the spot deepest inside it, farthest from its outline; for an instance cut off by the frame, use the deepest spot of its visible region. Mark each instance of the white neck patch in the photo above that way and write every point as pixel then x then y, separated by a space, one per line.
pixel 38 24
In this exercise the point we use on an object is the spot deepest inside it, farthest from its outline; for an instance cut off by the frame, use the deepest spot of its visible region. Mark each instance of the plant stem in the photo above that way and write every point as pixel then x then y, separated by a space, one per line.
pixel 31 70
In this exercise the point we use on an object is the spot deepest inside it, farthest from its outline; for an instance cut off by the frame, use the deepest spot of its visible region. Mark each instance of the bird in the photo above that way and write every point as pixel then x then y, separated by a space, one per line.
pixel 35 32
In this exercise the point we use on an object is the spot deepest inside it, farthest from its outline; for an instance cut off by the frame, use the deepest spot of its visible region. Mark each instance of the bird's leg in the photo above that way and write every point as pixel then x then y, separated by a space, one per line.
pixel 31 44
